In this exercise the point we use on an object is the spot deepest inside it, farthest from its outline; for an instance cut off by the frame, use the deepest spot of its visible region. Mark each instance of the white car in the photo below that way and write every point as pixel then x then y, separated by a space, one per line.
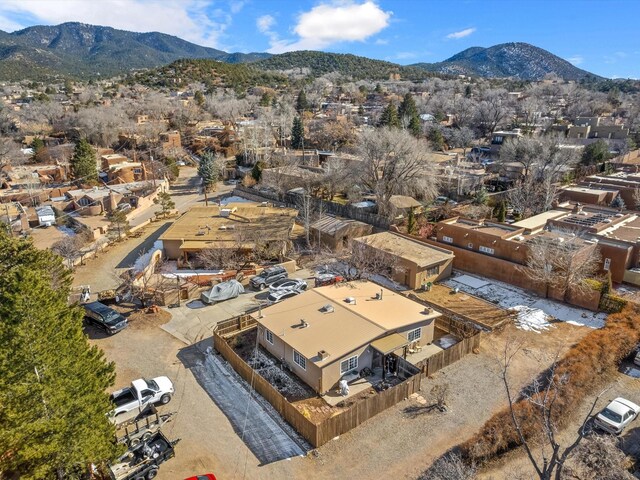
pixel 616 416
pixel 288 284
pixel 275 297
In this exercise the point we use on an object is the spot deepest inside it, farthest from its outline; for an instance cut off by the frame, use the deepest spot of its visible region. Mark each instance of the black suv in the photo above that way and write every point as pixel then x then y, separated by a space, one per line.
pixel 267 277
pixel 104 317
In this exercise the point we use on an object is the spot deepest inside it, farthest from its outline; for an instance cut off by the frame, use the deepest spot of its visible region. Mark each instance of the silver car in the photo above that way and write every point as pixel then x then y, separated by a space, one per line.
pixel 288 284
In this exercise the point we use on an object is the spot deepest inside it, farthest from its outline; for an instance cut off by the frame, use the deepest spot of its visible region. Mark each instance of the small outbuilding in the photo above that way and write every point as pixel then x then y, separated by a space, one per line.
pixel 336 232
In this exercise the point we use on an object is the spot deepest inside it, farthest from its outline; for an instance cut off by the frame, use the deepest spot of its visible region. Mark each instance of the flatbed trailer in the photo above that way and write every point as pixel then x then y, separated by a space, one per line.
pixel 142 462
pixel 141 427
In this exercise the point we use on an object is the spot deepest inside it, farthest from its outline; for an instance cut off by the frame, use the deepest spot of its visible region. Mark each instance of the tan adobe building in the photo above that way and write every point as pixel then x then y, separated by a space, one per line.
pixel 336 233
pixel 119 169
pixel 237 225
pixel 170 141
pixel 329 333
pixel 417 263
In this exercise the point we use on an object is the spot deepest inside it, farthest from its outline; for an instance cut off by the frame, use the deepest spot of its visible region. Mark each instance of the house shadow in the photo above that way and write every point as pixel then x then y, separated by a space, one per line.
pixel 262 430
pixel 142 247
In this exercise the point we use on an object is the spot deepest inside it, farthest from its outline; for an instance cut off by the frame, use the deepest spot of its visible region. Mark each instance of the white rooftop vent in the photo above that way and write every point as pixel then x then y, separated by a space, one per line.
pixel 225 212
pixel 328 308
pixel 583 213
pixel 350 300
pixel 607 220
pixel 264 204
pixel 619 215
pixel 303 323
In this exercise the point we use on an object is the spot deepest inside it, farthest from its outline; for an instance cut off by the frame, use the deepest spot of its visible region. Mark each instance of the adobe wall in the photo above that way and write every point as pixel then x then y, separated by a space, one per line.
pixel 508 272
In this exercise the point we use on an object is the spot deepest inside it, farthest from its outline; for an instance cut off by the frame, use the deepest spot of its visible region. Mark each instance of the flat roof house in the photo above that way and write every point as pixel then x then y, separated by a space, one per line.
pixel 244 225
pixel 328 333
pixel 417 263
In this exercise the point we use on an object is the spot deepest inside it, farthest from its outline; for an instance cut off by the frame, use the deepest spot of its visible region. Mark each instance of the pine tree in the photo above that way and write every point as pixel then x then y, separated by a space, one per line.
pixel 83 163
pixel 411 222
pixel 164 200
pixel 297 134
pixel 301 102
pixel 199 98
pixel 436 138
pixel 618 202
pixel 265 100
pixel 501 214
pixel 256 171
pixel 52 382
pixel 37 145
pixel 208 171
pixel 389 117
pixel 118 221
pixel 481 197
pixel 408 114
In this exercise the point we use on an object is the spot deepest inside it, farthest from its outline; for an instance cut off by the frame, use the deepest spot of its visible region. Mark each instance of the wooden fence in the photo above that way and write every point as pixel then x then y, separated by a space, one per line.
pixel 235 325
pixel 316 434
pixel 450 355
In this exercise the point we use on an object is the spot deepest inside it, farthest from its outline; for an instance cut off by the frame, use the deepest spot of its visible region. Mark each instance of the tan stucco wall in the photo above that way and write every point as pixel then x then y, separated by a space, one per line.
pixel 172 248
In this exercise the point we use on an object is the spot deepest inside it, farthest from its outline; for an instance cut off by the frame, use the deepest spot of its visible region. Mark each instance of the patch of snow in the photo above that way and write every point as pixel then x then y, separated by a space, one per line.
pixel 170 270
pixel 470 281
pixel 535 313
pixel 446 341
pixel 143 260
pixel 385 282
pixel 67 231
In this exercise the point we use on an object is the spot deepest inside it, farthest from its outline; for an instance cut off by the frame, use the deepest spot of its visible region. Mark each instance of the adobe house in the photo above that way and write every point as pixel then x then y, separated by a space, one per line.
pixel 331 333
pixel 418 263
pixel 336 232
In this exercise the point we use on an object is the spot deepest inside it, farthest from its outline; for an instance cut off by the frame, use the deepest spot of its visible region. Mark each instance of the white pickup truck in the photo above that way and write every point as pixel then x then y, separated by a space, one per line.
pixel 141 394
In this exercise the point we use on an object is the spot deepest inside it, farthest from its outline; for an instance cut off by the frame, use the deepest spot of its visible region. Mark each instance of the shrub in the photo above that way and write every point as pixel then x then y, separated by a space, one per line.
pixel 585 367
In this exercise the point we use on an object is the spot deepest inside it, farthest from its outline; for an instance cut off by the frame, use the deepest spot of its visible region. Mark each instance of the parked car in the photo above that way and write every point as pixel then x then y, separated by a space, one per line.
pixel 636 358
pixel 267 277
pixel 221 292
pixel 288 284
pixel 143 461
pixel 233 181
pixel 104 317
pixel 142 393
pixel 206 476
pixel 616 416
pixel 323 279
pixel 275 297
pixel 444 200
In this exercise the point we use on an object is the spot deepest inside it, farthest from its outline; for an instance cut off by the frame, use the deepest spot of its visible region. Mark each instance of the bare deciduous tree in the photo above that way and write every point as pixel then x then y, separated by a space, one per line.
pixel 546 454
pixel 394 162
pixel 561 260
pixel 450 467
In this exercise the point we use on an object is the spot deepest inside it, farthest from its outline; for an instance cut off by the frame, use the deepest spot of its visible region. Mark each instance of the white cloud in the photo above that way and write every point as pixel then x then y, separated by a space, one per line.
pixel 382 41
pixel 192 20
pixel 330 23
pixel 462 33
pixel 405 55
pixel 576 59
pixel 265 23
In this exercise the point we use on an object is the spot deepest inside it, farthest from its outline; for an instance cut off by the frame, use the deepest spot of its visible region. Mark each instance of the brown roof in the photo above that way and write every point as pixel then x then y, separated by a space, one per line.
pixel 419 253
pixel 215 225
pixel 349 326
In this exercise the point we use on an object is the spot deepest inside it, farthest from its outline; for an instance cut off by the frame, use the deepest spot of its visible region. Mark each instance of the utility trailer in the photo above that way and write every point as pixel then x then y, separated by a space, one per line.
pixel 142 462
pixel 140 428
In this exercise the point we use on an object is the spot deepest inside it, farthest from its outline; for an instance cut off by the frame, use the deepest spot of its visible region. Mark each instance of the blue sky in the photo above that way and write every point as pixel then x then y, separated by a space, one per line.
pixel 600 36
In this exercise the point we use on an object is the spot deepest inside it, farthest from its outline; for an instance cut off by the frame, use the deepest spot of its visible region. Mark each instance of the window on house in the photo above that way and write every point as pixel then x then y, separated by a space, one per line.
pixel 469 245
pixel 433 270
pixel 607 263
pixel 486 250
pixel 137 170
pixel 415 335
pixel 447 239
pixel 268 335
pixel 299 360
pixel 349 364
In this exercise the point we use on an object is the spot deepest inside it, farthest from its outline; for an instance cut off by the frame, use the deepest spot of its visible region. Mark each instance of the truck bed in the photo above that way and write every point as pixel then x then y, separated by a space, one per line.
pixel 124 397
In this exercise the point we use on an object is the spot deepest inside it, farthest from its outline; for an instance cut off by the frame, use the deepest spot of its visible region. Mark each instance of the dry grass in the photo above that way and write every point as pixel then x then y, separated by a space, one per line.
pixel 585 367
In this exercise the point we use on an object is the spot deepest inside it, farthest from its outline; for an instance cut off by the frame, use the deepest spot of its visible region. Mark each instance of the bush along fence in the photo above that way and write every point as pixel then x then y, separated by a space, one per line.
pixel 587 365
pixel 320 432
pixel 293 200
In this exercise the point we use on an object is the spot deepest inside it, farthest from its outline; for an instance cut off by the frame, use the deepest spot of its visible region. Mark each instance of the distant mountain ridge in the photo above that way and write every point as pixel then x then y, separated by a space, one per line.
pixel 88 51
pixel 81 50
pixel 517 60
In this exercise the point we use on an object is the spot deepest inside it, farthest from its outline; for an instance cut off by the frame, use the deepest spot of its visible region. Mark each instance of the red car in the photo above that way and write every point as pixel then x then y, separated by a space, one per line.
pixel 206 476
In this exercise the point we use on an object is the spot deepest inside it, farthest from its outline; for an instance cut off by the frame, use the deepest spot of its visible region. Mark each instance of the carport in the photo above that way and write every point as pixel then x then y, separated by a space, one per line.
pixel 385 346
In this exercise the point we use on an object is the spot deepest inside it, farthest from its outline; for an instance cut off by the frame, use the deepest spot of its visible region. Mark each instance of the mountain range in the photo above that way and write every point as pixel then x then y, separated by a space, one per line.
pixel 84 51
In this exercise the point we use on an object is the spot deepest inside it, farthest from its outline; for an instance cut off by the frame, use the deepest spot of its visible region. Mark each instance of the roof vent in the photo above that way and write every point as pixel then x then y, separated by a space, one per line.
pixel 350 300
pixel 328 308
pixel 263 204
pixel 323 354
pixel 303 323
pixel 427 311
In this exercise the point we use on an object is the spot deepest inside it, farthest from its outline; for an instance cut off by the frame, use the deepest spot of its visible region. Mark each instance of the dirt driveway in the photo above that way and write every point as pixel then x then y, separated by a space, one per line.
pixel 399 443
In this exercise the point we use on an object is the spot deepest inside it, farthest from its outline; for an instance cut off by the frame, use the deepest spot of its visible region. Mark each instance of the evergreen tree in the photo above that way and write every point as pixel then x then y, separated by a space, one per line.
pixel 618 202
pixel 199 98
pixel 164 200
pixel 83 163
pixel 37 145
pixel 118 221
pixel 389 117
pixel 256 171
pixel 408 114
pixel 501 213
pixel 301 102
pixel 208 171
pixel 411 222
pixel 467 91
pixel 481 197
pixel 53 415
pixel 297 134
pixel 265 100
pixel 436 138
pixel 597 152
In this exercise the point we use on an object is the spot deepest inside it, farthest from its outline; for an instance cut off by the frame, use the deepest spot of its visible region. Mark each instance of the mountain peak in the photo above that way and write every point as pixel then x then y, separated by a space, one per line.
pixel 514 59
